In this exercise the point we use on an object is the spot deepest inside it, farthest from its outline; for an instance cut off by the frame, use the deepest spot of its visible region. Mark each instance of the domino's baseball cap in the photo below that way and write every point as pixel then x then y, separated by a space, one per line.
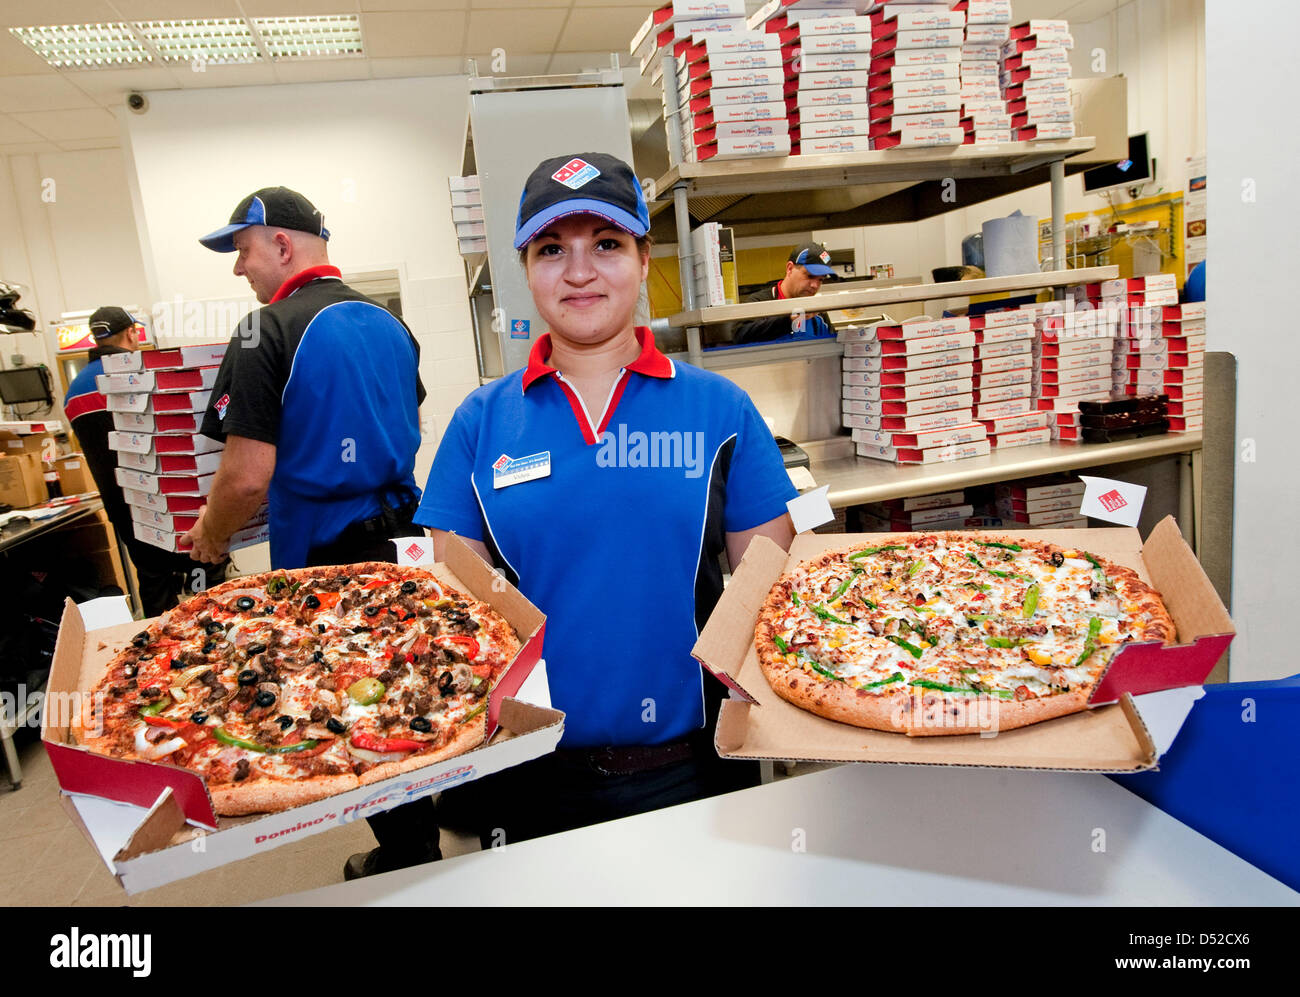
pixel 109 321
pixel 813 258
pixel 277 207
pixel 592 183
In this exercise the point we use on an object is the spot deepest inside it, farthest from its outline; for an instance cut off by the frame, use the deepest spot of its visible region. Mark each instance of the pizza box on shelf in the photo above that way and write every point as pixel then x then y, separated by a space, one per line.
pixel 1108 737
pixel 153 823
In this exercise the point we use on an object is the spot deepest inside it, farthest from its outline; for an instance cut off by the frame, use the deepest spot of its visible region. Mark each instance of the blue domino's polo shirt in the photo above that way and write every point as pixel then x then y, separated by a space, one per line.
pixel 618 544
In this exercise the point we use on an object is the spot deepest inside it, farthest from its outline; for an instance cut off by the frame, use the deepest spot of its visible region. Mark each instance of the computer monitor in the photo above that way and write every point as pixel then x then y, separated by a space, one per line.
pixel 25 384
pixel 1130 172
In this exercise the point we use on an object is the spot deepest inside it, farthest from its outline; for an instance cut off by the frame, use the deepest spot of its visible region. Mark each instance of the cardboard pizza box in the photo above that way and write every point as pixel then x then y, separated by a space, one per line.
pixel 154 823
pixel 1108 737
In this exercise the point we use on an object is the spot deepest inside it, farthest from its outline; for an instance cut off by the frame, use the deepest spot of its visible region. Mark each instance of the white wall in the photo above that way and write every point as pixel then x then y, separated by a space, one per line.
pixel 373 155
pixel 69 235
pixel 1251 278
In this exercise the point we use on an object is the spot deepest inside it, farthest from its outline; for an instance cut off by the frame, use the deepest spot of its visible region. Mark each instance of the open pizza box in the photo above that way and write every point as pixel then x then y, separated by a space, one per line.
pixel 153 823
pixel 1111 736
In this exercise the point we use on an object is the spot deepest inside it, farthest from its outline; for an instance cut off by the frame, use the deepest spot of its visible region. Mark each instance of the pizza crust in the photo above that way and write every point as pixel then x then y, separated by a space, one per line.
pixel 237 799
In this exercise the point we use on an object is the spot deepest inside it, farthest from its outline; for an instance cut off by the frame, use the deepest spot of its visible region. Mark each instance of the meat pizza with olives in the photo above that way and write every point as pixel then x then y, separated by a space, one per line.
pixel 931 633
pixel 288 686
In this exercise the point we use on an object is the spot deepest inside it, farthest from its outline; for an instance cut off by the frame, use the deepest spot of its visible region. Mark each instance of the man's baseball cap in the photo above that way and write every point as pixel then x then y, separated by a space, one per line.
pixel 278 207
pixel 110 320
pixel 589 183
pixel 813 258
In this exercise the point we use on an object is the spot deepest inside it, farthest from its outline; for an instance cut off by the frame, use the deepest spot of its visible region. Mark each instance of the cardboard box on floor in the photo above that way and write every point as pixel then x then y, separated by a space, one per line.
pixel 22 480
pixel 181 836
pixel 1108 737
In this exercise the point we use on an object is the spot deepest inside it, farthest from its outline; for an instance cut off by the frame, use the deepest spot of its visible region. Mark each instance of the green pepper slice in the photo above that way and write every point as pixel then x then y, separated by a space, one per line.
pixel 366 691
pixel 875 550
pixel 154 708
pixel 238 742
pixel 821 612
pixel 844 586
pixel 1090 643
pixel 475 712
pixel 780 643
pixel 896 677
pixel 916 566
pixel 794 598
pixel 1031 601
pixel 820 670
pixel 911 649
pixel 1005 641
pixel 1003 546
pixel 940 687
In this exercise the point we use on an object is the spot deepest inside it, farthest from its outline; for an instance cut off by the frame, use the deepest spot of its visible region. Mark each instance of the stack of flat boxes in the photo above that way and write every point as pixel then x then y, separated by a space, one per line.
pixel 467 214
pixel 1072 357
pixel 1041 503
pixel 741 110
pixel 915 77
pixel 165 467
pixel 669 30
pixel 908 391
pixel 1035 79
pixel 984 117
pixel 1183 331
pixel 1004 379
pixel 947 511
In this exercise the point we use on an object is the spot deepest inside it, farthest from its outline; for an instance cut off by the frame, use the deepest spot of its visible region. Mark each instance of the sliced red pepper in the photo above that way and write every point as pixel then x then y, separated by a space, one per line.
pixel 481 671
pixel 469 644
pixel 327 599
pixel 378 584
pixel 368 742
pixel 421 645
pixel 153 721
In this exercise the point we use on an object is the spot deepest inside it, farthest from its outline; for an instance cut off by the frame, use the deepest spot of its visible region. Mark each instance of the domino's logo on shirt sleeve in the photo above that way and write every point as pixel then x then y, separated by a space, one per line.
pixel 222 404
pixel 575 173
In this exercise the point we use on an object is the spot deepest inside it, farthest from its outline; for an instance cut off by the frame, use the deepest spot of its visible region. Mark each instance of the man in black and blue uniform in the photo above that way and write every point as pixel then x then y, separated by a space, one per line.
pixel 317 400
pixel 805 270
pixel 162 575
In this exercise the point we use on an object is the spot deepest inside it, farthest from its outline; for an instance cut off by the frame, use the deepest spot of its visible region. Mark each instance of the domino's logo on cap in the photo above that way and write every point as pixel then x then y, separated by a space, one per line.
pixel 575 173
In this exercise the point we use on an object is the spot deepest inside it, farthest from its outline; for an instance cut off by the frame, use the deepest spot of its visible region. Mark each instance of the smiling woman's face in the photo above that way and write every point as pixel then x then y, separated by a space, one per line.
pixel 586 274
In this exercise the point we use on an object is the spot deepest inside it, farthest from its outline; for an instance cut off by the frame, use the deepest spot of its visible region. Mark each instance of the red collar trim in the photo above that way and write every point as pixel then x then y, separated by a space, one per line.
pixel 305 277
pixel 651 362
pixel 778 293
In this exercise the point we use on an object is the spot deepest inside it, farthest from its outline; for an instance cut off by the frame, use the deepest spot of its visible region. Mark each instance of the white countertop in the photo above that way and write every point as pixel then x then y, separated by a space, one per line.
pixel 870 834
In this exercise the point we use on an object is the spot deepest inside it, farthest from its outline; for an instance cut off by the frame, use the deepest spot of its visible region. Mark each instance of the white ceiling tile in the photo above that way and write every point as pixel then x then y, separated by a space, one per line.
pixel 77 144
pixel 113 85
pixel 42 92
pixel 441 65
pixel 30 13
pixel 11 131
pixel 517 5
pixel 251 74
pixel 16 59
pixel 401 35
pixel 641 5
pixel 174 10
pixel 297 8
pixel 60 125
pixel 320 70
pixel 527 32
pixel 369 5
pixel 595 28
pixel 26 148
pixel 515 65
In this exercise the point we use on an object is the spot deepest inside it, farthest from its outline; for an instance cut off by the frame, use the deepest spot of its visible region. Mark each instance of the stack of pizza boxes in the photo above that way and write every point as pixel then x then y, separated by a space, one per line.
pixel 1035 79
pixel 668 31
pixel 984 117
pixel 467 214
pixel 1072 362
pixel 731 96
pixel 1004 379
pixel 914 88
pixel 945 511
pixel 1183 334
pixel 165 466
pixel 908 390
pixel 1041 502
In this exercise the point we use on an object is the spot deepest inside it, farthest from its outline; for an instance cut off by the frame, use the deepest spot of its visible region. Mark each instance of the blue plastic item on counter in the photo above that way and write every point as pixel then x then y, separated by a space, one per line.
pixel 1233 773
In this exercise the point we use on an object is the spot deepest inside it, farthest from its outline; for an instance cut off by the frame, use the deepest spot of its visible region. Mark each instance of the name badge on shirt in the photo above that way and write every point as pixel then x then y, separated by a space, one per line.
pixel 507 471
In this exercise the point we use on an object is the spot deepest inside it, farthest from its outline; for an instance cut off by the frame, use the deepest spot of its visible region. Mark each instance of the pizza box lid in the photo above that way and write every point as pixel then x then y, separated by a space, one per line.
pixel 1109 737
pixel 82 652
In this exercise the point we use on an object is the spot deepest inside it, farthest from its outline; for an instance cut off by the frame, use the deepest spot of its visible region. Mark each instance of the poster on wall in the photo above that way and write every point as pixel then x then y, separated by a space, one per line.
pixel 1194 212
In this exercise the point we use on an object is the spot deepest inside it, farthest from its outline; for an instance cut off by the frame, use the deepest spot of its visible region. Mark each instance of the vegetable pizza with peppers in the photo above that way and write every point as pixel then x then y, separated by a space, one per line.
pixel 951 633
pixel 289 686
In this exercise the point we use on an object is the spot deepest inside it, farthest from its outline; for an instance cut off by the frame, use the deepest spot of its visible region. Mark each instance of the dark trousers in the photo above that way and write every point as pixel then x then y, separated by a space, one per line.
pixel 164 579
pixel 408 832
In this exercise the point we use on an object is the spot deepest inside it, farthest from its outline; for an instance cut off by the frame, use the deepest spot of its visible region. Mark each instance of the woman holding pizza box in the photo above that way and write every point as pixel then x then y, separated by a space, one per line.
pixel 604 480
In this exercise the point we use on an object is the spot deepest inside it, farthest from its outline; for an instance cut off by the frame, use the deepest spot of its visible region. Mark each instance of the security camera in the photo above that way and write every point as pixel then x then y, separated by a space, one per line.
pixel 137 102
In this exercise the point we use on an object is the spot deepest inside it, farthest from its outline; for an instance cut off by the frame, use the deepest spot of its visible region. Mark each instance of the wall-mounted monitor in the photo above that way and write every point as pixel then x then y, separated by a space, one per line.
pixel 1130 172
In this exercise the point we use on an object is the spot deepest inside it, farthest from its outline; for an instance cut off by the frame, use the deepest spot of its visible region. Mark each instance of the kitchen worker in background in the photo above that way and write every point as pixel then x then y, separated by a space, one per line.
pixel 805 270
pixel 317 400
pixel 162 576
pixel 552 473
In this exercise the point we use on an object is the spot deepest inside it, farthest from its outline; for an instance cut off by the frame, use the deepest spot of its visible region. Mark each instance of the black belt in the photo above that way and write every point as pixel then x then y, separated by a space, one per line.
pixel 386 523
pixel 631 759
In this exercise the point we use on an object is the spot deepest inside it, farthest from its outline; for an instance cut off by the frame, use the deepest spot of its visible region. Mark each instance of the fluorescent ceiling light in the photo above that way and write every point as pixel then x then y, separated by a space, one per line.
pixel 216 42
pixel 325 36
pixel 85 46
